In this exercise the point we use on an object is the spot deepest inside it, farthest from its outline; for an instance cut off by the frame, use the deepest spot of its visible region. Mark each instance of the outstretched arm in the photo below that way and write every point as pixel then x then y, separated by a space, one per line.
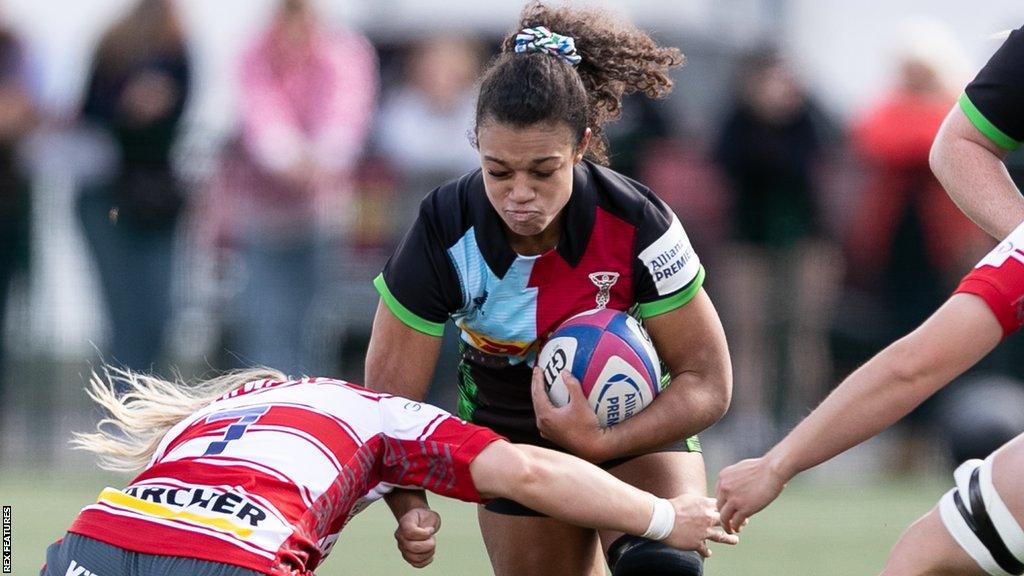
pixel 570 489
pixel 871 399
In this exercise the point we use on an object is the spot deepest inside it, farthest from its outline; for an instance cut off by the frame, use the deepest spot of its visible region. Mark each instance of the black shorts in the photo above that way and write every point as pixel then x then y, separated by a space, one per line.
pixel 77 554
pixel 496 394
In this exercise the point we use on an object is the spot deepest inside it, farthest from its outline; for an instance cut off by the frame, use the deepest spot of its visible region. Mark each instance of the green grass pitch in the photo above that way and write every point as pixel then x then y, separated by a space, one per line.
pixel 814 529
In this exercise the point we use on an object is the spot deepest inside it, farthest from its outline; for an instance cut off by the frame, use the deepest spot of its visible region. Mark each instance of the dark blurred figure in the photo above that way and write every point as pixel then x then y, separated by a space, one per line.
pixel 306 100
pixel 782 269
pixel 642 125
pixel 137 90
pixel 979 414
pixel 17 118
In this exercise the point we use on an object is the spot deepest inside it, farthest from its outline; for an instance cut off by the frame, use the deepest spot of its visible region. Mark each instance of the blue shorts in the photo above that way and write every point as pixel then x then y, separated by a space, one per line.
pixel 80 555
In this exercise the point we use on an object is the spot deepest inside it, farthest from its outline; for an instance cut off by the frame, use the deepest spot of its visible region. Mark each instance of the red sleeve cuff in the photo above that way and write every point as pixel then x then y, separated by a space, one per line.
pixel 1009 313
pixel 465 455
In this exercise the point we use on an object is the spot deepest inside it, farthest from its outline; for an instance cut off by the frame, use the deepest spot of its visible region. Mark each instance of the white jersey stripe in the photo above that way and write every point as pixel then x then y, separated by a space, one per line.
pixel 429 429
pixel 304 492
pixel 328 454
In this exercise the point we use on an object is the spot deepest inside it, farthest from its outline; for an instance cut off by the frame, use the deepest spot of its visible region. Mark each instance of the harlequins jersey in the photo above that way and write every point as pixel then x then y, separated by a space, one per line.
pixel 994 100
pixel 621 248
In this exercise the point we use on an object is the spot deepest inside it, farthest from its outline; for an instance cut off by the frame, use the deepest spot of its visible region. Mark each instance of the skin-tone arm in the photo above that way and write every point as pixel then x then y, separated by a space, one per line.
pixel 970 168
pixel 870 400
pixel 691 343
pixel 399 360
pixel 569 489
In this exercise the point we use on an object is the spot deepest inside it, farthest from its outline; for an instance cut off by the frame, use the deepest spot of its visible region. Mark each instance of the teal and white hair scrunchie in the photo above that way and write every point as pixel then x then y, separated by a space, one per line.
pixel 540 39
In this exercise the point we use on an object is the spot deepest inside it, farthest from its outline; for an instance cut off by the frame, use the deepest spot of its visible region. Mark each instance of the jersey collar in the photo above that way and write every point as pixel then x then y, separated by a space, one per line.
pixel 579 214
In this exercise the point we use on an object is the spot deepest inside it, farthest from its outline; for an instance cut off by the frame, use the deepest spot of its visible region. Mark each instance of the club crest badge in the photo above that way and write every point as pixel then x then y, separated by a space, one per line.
pixel 604 282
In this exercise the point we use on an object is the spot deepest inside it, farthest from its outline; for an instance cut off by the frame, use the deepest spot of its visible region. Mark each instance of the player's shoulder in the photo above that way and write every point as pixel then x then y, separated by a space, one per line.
pixel 627 198
pixel 451 209
pixel 622 195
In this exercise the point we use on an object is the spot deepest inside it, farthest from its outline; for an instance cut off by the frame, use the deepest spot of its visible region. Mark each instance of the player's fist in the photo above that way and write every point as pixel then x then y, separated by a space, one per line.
pixel 415 536
pixel 745 488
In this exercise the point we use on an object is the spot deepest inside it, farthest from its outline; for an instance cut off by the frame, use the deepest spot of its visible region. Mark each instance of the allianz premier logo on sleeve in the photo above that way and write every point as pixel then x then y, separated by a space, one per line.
pixel 671 259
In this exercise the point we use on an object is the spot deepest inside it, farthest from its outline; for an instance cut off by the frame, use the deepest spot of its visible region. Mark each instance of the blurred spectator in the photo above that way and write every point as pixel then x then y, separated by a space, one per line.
pixel 422 134
pixel 137 90
pixel 424 125
pixel 17 118
pixel 781 270
pixel 908 242
pixel 307 97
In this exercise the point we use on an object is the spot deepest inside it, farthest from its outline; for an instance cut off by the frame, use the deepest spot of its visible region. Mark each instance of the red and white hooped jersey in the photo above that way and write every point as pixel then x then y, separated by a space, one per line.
pixel 999 280
pixel 266 476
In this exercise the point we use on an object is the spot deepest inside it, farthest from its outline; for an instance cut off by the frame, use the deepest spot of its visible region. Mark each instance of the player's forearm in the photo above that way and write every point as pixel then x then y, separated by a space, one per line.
pixel 873 398
pixel 689 405
pixel 972 172
pixel 891 384
pixel 563 487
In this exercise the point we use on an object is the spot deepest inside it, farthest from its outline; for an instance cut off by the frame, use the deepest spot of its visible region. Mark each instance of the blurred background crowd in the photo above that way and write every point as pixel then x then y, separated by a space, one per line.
pixel 189 186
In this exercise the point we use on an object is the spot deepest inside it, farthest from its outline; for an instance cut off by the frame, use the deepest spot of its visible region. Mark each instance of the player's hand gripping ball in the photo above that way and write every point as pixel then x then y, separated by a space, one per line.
pixel 613 358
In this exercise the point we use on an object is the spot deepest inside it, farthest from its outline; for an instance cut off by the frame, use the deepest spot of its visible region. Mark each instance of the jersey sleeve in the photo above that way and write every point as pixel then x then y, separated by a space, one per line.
pixel 666 269
pixel 999 280
pixel 993 100
pixel 426 447
pixel 419 283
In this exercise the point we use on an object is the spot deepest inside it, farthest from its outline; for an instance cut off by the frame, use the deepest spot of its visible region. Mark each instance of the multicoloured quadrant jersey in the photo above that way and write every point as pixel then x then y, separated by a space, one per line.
pixel 621 248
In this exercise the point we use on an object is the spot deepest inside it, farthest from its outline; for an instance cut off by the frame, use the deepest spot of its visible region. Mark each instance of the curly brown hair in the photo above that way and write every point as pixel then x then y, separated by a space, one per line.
pixel 617 58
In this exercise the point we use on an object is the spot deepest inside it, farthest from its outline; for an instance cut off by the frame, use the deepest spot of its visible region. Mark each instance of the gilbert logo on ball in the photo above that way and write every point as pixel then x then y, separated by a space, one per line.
pixel 612 357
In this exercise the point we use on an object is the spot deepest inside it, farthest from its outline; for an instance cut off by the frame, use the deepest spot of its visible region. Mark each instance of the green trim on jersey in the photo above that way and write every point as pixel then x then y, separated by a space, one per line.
pixel 404 314
pixel 658 307
pixel 467 393
pixel 693 444
pixel 993 133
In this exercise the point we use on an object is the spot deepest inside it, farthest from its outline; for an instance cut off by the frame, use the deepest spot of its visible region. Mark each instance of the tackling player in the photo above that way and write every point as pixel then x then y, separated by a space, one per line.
pixel 252 473
pixel 976 528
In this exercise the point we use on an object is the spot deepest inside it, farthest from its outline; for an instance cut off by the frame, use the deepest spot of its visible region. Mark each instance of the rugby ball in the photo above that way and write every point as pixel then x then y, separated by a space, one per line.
pixel 613 358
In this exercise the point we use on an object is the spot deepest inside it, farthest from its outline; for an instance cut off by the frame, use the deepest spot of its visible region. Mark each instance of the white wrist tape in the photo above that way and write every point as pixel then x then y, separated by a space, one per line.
pixel 663 520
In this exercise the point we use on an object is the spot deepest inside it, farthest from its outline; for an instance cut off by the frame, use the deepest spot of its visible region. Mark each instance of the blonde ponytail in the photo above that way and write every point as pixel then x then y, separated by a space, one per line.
pixel 145 409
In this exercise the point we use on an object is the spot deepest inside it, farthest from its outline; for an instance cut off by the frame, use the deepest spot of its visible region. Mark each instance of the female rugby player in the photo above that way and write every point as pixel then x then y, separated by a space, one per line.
pixel 251 473
pixel 976 528
pixel 543 231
